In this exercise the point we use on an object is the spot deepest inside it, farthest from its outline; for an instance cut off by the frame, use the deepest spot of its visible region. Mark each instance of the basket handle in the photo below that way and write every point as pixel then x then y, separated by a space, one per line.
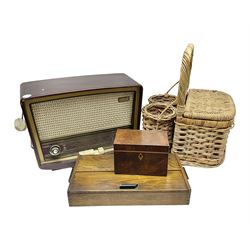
pixel 164 110
pixel 186 67
pixel 171 88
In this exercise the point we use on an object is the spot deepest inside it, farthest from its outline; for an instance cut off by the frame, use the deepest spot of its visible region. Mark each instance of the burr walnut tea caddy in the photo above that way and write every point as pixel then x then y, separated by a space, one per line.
pixel 141 152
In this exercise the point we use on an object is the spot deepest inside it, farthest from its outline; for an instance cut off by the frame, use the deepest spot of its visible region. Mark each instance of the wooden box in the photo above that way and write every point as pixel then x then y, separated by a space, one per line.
pixel 94 183
pixel 141 152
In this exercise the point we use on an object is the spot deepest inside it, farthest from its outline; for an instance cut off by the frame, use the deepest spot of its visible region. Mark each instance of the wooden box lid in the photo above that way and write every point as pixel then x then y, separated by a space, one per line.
pixel 105 163
pixel 141 140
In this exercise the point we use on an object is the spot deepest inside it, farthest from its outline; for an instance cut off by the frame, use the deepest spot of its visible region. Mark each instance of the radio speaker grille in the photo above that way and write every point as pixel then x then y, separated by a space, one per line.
pixel 78 115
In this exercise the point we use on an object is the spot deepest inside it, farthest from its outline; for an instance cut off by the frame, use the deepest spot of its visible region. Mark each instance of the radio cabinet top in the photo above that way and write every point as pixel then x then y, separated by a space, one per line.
pixel 74 84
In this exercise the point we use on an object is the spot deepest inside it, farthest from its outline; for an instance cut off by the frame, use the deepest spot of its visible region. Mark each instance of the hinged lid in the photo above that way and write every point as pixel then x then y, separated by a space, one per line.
pixel 141 140
pixel 209 105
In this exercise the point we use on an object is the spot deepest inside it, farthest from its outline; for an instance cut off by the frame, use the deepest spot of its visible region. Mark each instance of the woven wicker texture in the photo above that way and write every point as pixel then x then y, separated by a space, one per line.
pixel 206 123
pixel 159 116
pixel 200 146
pixel 167 99
pixel 160 113
pixel 186 67
pixel 204 119
pixel 209 105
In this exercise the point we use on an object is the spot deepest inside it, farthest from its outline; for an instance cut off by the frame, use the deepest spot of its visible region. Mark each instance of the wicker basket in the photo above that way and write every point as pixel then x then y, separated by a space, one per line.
pixel 160 113
pixel 204 119
pixel 159 116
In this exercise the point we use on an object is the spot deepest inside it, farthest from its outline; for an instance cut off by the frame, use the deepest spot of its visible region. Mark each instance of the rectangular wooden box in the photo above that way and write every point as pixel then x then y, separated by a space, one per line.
pixel 93 183
pixel 141 152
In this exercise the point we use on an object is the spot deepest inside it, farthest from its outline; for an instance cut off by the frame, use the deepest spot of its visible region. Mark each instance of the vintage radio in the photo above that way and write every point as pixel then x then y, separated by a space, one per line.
pixel 68 115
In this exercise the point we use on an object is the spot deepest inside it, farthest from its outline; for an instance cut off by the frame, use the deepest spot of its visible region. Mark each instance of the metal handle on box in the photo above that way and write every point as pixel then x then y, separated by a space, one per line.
pixel 128 186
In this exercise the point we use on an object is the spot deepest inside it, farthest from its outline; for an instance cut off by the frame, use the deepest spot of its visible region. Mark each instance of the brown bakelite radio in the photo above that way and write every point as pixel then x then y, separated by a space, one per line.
pixel 68 115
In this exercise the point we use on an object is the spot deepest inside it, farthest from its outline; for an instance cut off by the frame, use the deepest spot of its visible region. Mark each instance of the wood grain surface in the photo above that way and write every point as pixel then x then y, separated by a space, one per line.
pixel 93 182
pixel 150 140
pixel 141 152
pixel 74 84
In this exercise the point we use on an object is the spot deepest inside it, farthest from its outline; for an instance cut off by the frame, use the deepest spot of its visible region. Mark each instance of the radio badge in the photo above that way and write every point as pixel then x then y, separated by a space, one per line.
pixel 123 99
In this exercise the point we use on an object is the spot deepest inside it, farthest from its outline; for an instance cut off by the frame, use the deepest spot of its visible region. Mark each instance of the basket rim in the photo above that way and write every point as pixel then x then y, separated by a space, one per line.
pixel 146 112
pixel 151 98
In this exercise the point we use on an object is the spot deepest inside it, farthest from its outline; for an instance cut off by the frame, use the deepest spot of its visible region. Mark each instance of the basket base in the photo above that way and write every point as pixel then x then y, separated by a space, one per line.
pixel 199 162
pixel 200 146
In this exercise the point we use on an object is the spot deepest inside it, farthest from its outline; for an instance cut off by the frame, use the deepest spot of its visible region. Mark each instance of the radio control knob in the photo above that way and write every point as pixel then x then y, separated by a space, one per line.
pixel 55 150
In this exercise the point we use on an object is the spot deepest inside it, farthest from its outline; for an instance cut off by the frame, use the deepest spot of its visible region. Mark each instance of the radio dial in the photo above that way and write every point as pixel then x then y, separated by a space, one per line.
pixel 55 150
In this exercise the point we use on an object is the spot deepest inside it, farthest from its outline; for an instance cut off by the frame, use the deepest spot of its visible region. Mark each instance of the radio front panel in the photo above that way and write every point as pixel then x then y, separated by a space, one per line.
pixel 69 125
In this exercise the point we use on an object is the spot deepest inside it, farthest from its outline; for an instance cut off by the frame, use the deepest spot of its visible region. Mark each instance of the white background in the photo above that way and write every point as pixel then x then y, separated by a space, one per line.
pixel 144 39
